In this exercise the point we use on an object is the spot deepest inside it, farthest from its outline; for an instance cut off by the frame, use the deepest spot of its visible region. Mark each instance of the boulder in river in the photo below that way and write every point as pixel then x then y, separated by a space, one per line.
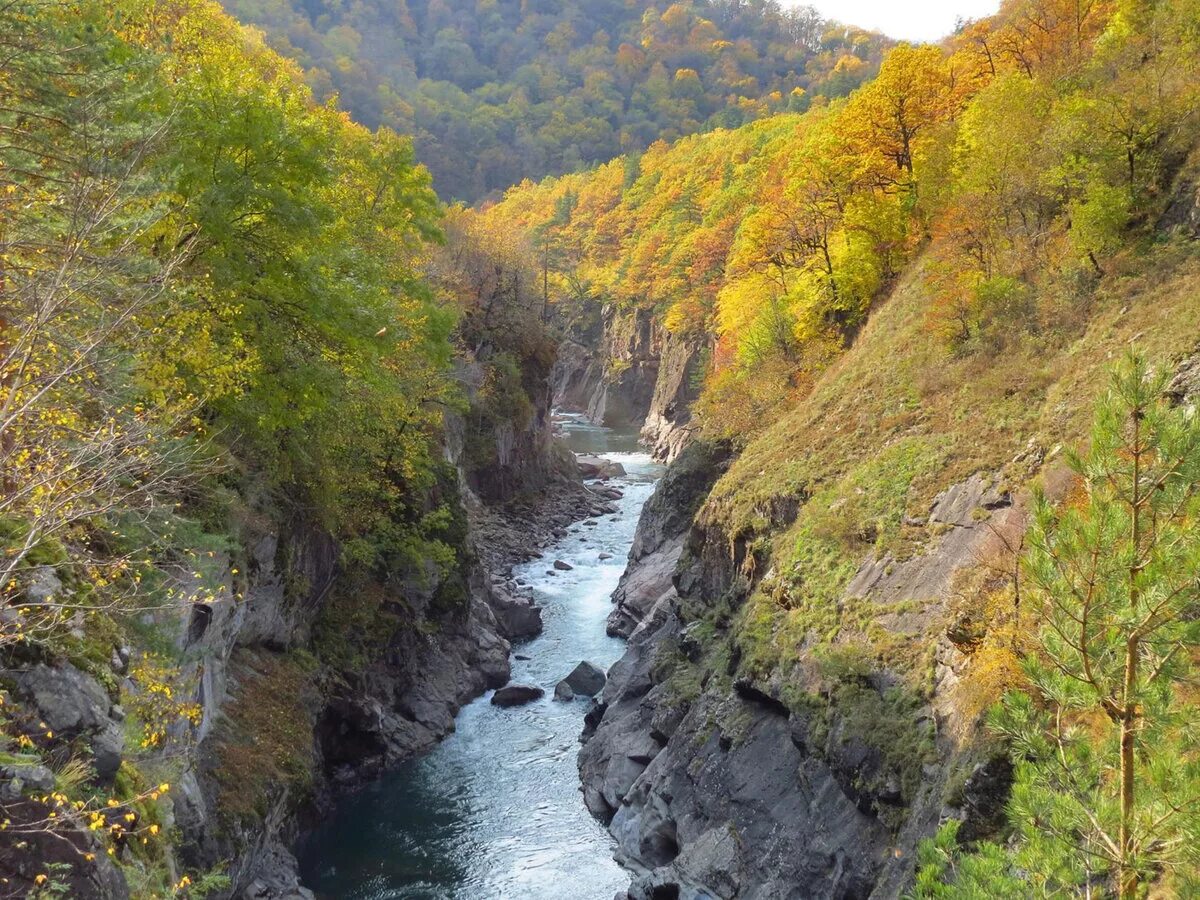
pixel 586 679
pixel 516 695
pixel 517 615
pixel 563 566
pixel 598 467
pixel 562 691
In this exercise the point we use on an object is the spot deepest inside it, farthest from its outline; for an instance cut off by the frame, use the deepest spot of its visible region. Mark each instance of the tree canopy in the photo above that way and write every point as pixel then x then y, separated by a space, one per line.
pixel 497 91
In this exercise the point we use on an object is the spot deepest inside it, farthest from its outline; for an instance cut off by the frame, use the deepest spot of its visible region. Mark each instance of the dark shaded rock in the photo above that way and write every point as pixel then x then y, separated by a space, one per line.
pixel 563 566
pixel 562 691
pixel 587 679
pixel 517 695
pixel 661 531
pixel 748 691
pixel 74 705
pixel 981 805
pixel 82 869
pixel 276 878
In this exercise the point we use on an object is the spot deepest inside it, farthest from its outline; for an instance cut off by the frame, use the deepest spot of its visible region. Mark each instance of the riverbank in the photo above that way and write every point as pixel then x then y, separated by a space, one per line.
pixel 494 810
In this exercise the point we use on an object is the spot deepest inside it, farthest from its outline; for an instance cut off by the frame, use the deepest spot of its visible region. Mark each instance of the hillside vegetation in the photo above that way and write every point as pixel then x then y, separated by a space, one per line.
pixel 1018 159
pixel 250 366
pixel 913 296
pixel 495 92
pixel 226 311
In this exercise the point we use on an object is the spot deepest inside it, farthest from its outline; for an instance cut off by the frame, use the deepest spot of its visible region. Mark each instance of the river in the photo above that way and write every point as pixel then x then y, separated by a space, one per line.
pixel 495 811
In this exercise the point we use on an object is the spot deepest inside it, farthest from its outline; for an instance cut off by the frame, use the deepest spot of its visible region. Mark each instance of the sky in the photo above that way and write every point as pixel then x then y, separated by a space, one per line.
pixel 915 20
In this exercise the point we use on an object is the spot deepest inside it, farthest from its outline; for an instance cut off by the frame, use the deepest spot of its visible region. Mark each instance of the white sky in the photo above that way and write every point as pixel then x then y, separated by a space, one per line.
pixel 915 20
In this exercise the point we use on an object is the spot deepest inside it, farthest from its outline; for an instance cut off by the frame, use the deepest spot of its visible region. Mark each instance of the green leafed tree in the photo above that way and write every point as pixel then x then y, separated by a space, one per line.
pixel 1106 800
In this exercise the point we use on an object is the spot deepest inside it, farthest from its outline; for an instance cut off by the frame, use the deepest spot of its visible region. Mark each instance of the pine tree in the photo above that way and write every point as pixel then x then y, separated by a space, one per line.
pixel 1107 790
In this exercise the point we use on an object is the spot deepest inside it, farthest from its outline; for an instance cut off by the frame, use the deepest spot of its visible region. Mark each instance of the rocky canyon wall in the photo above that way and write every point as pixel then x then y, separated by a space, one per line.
pixel 628 370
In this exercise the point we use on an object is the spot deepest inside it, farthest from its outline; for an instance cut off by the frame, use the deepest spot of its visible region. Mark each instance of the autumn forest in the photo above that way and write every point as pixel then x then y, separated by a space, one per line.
pixel 295 296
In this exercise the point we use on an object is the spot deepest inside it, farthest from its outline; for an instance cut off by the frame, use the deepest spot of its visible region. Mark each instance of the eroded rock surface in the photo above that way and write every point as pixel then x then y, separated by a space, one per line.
pixel 719 788
pixel 660 534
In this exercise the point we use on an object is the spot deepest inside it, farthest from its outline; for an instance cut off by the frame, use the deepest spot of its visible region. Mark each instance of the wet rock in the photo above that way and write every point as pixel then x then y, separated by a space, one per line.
pixel 598 467
pixel 516 615
pixel 563 566
pixel 562 691
pixel 604 556
pixel 517 695
pixel 586 678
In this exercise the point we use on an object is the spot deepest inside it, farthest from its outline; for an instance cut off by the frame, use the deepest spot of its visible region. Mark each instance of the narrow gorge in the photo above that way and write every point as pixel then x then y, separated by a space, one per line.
pixel 515 450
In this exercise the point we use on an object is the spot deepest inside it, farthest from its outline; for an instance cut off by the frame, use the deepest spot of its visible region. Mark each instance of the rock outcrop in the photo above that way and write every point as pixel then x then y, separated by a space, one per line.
pixel 320 675
pixel 666 429
pixel 75 708
pixel 661 530
pixel 719 788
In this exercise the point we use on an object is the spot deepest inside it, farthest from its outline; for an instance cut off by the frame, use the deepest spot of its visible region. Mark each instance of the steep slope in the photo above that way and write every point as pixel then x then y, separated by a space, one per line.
pixel 266 459
pixel 806 705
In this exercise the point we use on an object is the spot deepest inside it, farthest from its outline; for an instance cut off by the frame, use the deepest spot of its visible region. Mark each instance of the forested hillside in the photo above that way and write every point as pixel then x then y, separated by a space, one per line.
pixel 1015 161
pixel 903 306
pixel 913 609
pixel 235 332
pixel 495 92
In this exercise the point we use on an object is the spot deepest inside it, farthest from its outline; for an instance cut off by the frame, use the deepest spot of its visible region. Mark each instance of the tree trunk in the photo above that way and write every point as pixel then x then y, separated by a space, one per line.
pixel 1128 872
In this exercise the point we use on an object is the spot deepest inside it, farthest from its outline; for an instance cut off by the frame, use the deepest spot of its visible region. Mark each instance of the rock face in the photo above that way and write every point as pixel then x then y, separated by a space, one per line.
pixel 517 695
pixel 578 379
pixel 667 427
pixel 1182 213
pixel 718 788
pixel 513 457
pixel 342 701
pixel 660 534
pixel 399 703
pixel 75 706
pixel 635 373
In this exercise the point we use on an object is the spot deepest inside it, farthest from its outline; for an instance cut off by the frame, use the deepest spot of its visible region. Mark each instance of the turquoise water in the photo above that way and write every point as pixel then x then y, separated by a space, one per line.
pixel 495 810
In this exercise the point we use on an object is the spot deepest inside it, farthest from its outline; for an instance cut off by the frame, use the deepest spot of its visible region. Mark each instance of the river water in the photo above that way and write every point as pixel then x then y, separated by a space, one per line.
pixel 495 810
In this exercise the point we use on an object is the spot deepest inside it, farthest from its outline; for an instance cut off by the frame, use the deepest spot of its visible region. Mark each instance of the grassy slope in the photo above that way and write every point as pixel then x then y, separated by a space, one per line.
pixel 896 420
